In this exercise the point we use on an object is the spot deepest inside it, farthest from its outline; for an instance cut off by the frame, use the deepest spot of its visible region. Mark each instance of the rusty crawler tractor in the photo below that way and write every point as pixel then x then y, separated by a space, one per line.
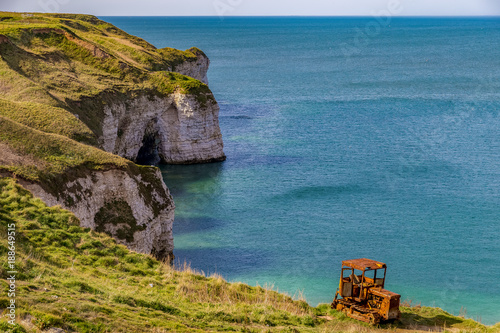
pixel 362 292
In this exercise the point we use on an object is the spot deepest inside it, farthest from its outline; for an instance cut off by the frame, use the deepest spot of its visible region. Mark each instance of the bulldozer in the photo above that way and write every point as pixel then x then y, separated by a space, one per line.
pixel 361 294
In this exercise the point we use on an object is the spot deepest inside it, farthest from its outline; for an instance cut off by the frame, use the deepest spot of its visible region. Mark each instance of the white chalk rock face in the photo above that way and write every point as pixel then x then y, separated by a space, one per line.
pixel 178 129
pixel 197 137
pixel 135 209
pixel 197 69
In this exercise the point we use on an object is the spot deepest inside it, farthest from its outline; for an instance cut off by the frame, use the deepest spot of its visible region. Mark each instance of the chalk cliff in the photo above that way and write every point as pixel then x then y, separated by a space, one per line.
pixel 138 211
pixel 89 96
pixel 195 67
pixel 174 129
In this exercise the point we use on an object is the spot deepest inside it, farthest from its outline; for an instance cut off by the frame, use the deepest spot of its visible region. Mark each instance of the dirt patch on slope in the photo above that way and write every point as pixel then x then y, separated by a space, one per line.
pixel 9 157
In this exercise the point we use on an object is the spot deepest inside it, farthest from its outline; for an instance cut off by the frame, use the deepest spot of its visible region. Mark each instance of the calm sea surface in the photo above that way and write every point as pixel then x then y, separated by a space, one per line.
pixel 346 138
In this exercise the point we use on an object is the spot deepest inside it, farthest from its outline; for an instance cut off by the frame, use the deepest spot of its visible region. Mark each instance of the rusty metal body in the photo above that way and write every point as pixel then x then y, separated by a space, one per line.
pixel 362 292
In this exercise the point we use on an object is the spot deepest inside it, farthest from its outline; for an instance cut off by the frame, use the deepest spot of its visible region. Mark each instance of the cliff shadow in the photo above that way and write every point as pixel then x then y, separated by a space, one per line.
pixel 179 178
pixel 15 57
pixel 31 66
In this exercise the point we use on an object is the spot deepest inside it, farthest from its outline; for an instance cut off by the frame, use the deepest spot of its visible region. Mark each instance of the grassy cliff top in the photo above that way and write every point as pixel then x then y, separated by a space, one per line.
pixel 52 160
pixel 83 281
pixel 79 63
pixel 35 155
pixel 57 74
pixel 102 39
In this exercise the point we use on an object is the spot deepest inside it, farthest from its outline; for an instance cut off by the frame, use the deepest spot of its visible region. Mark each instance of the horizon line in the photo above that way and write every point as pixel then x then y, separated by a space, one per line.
pixel 264 15
pixel 327 16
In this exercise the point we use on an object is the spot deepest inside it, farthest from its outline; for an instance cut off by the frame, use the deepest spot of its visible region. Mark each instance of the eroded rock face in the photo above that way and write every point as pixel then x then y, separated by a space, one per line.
pixel 178 129
pixel 135 209
pixel 197 70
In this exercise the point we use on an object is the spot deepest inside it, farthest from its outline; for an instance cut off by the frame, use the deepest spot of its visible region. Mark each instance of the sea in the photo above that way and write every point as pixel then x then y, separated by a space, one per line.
pixel 346 138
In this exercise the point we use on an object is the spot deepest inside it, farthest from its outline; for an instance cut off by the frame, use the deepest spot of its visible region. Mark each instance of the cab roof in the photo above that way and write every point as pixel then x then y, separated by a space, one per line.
pixel 363 264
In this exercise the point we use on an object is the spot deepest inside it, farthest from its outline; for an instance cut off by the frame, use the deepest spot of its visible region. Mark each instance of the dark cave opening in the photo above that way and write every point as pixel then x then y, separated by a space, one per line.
pixel 148 154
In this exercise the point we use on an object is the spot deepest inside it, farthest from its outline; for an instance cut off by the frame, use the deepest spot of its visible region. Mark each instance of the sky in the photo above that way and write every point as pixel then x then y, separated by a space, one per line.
pixel 258 7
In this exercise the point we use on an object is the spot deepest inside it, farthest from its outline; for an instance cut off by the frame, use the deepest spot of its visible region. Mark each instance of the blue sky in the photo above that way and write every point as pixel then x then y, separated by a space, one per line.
pixel 258 7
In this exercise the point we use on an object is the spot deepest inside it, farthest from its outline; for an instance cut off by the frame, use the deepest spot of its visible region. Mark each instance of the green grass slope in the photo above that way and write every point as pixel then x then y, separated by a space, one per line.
pixel 53 160
pixel 47 119
pixel 49 155
pixel 83 281
pixel 80 64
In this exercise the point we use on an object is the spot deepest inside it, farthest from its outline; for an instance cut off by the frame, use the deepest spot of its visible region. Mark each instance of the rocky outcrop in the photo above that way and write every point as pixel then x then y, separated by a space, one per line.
pixel 135 208
pixel 196 69
pixel 178 129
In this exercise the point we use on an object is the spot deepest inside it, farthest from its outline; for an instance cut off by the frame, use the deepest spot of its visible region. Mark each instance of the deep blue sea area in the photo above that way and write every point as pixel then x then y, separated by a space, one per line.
pixel 346 138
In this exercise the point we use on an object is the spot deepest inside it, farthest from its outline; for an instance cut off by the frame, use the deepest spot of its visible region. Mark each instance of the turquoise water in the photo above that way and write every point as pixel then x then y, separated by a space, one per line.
pixel 345 140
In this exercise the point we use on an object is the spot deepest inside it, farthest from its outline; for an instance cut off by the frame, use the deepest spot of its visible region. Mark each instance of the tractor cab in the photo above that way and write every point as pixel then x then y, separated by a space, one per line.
pixel 358 275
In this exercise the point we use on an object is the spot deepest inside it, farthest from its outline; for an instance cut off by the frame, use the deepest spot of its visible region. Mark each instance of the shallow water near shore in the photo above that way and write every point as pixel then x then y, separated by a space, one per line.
pixel 382 145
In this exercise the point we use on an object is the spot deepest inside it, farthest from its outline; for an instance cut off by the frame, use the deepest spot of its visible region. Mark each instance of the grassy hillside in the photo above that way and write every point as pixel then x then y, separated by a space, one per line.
pixel 47 119
pixel 49 155
pixel 79 64
pixel 82 281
